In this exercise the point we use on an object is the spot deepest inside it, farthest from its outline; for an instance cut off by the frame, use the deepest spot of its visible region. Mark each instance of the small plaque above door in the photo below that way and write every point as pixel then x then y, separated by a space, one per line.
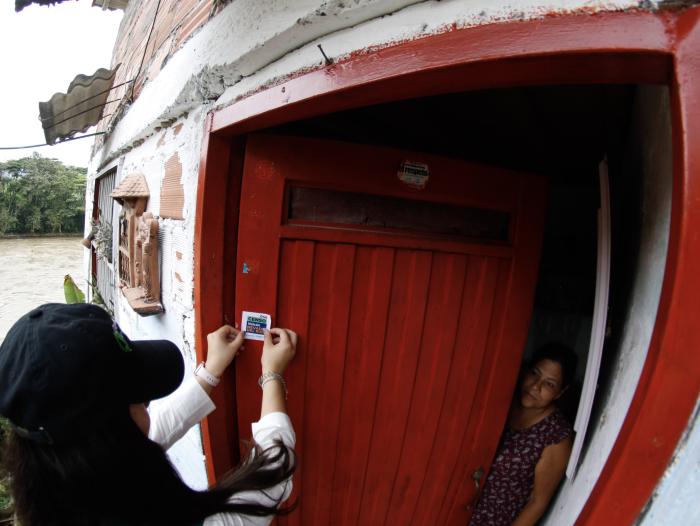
pixel 414 174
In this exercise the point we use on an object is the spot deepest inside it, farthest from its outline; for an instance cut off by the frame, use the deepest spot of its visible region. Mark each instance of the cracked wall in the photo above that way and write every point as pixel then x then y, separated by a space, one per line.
pixel 153 157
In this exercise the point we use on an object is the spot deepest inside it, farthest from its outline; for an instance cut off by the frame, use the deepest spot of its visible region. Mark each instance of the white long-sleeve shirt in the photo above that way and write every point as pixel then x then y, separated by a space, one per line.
pixel 189 404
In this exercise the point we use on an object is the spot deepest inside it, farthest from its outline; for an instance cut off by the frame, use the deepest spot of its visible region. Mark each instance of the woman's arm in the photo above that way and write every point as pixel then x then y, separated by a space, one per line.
pixel 173 416
pixel 278 350
pixel 223 346
pixel 548 473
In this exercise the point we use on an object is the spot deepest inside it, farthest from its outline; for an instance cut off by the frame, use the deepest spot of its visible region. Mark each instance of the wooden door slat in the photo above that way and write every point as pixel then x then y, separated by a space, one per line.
pixel 368 333
pixel 435 361
pixel 474 321
pixel 293 310
pixel 328 330
pixel 481 436
pixel 402 348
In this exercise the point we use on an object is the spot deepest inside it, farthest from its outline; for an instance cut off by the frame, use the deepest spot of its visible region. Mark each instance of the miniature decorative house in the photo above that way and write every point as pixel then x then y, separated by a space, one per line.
pixel 139 278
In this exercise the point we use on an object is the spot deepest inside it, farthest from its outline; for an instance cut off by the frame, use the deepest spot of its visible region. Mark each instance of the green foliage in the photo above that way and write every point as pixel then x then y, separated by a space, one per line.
pixel 5 502
pixel 4 498
pixel 21 4
pixel 41 195
pixel 71 291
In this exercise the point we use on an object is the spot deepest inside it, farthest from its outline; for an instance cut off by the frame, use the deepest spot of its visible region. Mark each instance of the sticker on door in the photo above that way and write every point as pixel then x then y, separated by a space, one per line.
pixel 254 325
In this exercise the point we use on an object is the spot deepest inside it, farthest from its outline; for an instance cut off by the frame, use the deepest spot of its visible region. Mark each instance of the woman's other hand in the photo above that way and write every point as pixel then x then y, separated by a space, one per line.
pixel 223 345
pixel 278 350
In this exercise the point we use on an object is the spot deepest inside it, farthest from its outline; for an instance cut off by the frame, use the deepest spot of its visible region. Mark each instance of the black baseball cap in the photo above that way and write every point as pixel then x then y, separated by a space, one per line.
pixel 63 368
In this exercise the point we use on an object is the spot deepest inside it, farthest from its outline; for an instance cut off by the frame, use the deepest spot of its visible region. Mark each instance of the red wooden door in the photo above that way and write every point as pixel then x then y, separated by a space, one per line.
pixel 412 307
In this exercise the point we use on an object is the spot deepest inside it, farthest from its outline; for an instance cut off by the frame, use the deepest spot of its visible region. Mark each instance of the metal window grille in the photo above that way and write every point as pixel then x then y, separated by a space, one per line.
pixel 103 211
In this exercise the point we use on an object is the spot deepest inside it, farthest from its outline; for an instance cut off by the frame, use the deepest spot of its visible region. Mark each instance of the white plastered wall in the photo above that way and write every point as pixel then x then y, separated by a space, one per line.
pixel 250 44
pixel 675 500
pixel 176 263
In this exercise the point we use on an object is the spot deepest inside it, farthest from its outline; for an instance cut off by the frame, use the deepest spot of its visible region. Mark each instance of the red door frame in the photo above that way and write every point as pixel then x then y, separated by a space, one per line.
pixel 624 47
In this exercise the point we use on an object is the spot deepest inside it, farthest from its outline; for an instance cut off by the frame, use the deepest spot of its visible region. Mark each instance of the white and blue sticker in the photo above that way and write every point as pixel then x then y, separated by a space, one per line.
pixel 254 324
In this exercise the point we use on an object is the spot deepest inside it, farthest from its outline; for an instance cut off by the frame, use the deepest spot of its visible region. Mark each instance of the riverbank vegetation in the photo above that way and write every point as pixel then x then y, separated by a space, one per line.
pixel 39 195
pixel 5 503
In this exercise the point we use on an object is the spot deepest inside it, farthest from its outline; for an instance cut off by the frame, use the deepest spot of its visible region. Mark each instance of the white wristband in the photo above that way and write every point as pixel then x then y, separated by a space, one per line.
pixel 205 375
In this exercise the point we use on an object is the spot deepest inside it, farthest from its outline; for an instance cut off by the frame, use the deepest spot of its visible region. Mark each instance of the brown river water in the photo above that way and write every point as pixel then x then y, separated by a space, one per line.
pixel 32 271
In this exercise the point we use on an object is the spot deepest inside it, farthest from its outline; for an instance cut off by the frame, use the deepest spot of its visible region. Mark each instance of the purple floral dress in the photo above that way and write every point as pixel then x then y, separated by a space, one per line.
pixel 512 477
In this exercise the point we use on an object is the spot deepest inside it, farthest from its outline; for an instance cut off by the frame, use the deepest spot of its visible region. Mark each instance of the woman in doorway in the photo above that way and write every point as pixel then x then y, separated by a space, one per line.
pixel 535 445
pixel 84 450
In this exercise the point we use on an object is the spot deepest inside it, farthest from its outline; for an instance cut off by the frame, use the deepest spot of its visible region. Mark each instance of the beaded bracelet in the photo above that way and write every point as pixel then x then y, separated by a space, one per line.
pixel 270 376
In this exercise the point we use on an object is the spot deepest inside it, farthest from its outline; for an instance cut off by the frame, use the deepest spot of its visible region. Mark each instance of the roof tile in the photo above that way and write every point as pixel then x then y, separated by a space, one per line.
pixel 133 185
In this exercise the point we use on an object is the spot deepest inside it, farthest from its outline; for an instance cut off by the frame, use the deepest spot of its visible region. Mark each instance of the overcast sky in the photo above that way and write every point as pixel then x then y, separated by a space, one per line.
pixel 42 49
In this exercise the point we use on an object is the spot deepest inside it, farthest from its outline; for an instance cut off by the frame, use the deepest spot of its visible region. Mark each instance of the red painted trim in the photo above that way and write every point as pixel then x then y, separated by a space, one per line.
pixel 670 381
pixel 219 436
pixel 628 47
pixel 612 48
pixel 593 66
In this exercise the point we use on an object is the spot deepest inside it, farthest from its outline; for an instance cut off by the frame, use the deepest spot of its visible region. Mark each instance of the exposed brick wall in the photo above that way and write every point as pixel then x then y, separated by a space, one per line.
pixel 176 21
pixel 172 194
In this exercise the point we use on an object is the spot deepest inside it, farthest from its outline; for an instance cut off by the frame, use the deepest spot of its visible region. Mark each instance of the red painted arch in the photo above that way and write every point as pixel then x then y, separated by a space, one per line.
pixel 670 382
pixel 627 47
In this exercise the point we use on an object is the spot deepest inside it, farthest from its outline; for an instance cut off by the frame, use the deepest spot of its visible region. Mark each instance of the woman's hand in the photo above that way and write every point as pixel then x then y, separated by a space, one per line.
pixel 278 350
pixel 223 345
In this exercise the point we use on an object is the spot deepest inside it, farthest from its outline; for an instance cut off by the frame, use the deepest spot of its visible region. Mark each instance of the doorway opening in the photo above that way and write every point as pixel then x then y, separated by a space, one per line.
pixel 563 133
pixel 515 55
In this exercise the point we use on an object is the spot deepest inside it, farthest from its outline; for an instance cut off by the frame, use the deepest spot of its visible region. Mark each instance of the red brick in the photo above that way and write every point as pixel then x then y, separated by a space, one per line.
pixel 194 21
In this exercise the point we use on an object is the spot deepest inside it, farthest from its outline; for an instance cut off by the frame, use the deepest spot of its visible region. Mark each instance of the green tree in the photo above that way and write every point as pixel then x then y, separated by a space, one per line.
pixel 41 195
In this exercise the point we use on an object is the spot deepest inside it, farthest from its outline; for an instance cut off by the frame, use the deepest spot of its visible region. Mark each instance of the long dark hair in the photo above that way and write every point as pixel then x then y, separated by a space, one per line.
pixel 117 474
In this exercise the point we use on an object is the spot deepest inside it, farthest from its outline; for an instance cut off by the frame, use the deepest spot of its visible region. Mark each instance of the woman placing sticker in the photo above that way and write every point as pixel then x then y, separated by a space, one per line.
pixel 535 445
pixel 83 449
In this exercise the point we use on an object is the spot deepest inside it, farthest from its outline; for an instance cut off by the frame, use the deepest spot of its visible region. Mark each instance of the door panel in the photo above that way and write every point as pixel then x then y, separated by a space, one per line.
pixel 397 390
pixel 448 393
pixel 369 334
